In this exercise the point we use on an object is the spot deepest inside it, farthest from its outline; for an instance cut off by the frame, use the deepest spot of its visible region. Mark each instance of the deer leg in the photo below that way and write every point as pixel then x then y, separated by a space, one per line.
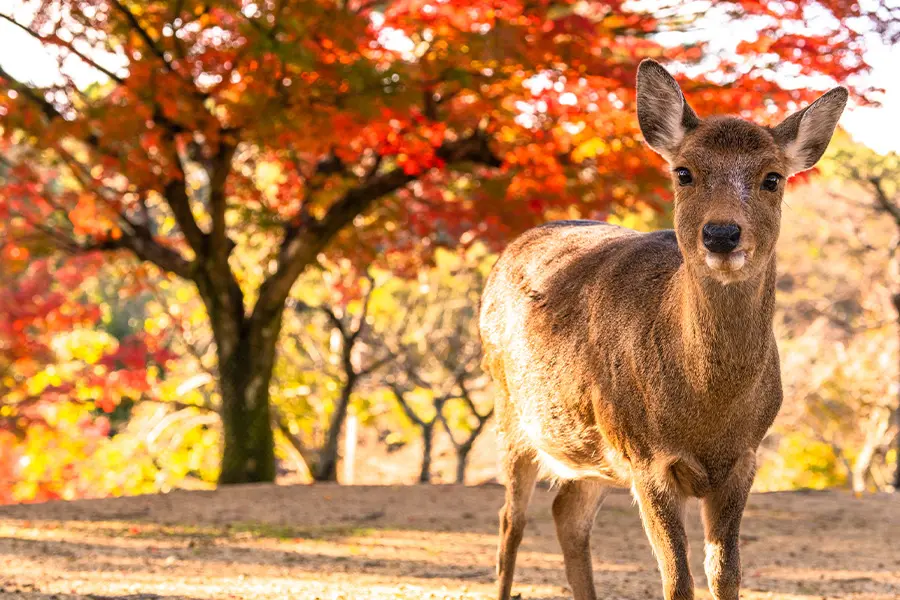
pixel 574 509
pixel 722 510
pixel 521 475
pixel 662 512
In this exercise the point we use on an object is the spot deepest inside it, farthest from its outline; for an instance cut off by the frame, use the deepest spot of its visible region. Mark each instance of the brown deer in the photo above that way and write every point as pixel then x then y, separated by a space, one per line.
pixel 647 360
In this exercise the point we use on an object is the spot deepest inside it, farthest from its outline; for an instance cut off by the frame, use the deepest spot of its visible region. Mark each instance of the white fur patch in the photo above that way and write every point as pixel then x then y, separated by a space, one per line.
pixel 556 468
pixel 794 151
pixel 713 561
pixel 565 471
pixel 737 181
pixel 733 261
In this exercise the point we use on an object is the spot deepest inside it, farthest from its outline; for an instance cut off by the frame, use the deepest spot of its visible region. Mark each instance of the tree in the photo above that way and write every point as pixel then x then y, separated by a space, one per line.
pixel 880 176
pixel 437 371
pixel 354 355
pixel 302 127
pixel 838 329
pixel 464 434
pixel 67 360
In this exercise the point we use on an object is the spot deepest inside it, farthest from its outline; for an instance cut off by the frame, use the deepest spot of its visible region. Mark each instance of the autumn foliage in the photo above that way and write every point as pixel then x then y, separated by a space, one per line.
pixel 232 144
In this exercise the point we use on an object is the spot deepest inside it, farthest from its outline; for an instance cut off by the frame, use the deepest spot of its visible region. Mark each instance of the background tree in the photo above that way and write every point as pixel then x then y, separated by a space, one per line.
pixel 350 351
pixel 837 331
pixel 303 127
pixel 437 375
pixel 879 176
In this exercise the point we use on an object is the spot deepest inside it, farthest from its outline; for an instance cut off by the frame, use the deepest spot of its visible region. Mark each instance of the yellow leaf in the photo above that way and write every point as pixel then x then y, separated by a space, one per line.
pixel 589 149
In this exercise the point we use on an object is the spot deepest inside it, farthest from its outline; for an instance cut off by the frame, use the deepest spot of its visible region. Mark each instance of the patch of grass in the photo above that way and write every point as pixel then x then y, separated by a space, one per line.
pixel 193 532
pixel 285 532
pixel 240 530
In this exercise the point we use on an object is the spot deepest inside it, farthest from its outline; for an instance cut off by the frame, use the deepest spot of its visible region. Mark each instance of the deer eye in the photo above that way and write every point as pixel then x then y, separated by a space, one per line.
pixel 684 176
pixel 770 183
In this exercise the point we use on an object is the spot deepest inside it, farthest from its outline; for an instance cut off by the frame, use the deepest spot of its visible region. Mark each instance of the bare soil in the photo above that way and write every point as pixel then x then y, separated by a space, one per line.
pixel 329 542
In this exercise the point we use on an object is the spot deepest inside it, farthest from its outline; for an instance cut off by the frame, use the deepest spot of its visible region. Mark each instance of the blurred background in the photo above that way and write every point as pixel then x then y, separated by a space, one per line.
pixel 245 241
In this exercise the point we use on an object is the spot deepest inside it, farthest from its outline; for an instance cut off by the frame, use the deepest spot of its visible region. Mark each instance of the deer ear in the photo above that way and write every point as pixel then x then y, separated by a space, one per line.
pixel 663 113
pixel 804 135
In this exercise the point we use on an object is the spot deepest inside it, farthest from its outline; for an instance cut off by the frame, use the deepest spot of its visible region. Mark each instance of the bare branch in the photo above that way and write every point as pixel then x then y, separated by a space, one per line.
pixel 399 394
pixel 280 421
pixel 377 364
pixel 326 310
pixel 361 323
pixel 884 202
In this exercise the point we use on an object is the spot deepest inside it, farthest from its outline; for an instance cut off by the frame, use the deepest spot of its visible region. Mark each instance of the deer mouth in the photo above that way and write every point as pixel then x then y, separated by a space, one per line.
pixel 726 262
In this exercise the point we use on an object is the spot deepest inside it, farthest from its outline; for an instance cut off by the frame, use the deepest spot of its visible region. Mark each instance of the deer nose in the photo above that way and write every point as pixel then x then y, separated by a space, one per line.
pixel 721 238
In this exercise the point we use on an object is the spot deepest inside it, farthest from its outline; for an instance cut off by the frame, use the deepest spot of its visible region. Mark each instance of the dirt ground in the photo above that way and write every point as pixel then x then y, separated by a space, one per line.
pixel 428 542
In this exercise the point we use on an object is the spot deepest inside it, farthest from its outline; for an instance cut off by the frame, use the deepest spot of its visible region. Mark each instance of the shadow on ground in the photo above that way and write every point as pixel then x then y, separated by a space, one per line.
pixel 413 542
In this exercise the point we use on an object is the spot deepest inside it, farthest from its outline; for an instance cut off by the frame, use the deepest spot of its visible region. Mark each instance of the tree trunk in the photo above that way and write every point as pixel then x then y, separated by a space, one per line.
pixel 326 469
pixel 876 429
pixel 249 447
pixel 246 353
pixel 462 460
pixel 896 482
pixel 427 443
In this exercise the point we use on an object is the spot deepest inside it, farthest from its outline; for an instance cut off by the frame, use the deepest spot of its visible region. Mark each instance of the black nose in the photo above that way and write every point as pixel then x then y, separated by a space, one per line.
pixel 721 238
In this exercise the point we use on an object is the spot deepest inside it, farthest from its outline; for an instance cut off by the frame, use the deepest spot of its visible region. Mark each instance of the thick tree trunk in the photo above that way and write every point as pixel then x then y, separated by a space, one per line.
pixel 246 353
pixel 427 444
pixel 326 469
pixel 249 446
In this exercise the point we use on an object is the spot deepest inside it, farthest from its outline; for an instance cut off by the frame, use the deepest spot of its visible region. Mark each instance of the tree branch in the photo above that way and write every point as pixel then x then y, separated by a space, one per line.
pixel 361 323
pixel 145 36
pixel 377 364
pixel 145 248
pixel 886 203
pixel 220 244
pixel 304 243
pixel 407 408
pixel 29 92
pixel 56 41
pixel 176 196
pixel 280 421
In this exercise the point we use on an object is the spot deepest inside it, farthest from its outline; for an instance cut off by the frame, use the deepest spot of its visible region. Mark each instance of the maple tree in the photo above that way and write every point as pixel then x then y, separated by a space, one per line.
pixel 358 128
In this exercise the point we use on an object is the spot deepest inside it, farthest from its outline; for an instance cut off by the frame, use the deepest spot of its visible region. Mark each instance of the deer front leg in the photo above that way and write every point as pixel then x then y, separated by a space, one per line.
pixel 722 510
pixel 662 511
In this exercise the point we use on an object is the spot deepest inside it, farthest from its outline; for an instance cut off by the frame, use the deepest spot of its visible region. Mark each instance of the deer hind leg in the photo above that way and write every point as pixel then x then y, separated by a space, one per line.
pixel 521 476
pixel 662 511
pixel 722 511
pixel 574 509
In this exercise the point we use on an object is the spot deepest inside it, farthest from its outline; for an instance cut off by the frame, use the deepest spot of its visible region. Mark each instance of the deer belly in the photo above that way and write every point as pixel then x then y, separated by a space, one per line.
pixel 576 453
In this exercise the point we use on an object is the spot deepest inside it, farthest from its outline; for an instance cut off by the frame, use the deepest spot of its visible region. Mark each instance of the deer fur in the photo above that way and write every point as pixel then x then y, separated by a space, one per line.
pixel 643 360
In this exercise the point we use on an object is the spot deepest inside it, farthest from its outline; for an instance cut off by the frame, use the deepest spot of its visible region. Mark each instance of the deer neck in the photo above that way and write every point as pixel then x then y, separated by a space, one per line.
pixel 726 330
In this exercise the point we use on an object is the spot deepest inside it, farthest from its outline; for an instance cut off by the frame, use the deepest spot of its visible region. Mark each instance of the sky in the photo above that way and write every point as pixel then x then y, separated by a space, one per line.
pixel 877 127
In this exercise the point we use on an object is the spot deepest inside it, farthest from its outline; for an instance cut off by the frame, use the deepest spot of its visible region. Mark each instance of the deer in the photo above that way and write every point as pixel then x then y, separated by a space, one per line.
pixel 648 360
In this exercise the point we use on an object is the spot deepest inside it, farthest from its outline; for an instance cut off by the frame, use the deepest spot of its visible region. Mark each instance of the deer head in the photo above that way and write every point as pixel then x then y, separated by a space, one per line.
pixel 728 173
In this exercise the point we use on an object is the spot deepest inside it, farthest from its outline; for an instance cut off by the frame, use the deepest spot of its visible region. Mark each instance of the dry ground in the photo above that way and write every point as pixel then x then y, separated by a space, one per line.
pixel 354 543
